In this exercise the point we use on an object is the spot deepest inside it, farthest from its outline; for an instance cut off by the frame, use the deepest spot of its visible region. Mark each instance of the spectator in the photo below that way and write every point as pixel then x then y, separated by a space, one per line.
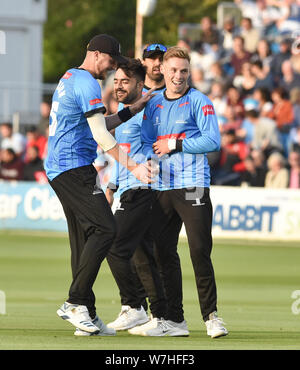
pixel 290 16
pixel 233 154
pixel 246 130
pixel 198 80
pixel 283 54
pixel 11 140
pixel 209 35
pixel 263 78
pixel 264 54
pixel 45 109
pixel 263 96
pixel 289 79
pixel 277 175
pixel 235 100
pixel 294 172
pixel 217 74
pixel 250 35
pixel 250 9
pixel 34 138
pixel 11 166
pixel 246 81
pixel 230 30
pixel 218 98
pixel 239 55
pixel 295 141
pixel 34 168
pixel 283 114
pixel 253 175
pixel 265 136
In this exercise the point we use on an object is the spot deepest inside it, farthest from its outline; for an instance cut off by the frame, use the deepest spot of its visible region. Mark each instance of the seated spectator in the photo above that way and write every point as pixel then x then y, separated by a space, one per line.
pixel 263 78
pixel 246 130
pixel 295 141
pixel 264 54
pixel 217 74
pixel 209 34
pixel 246 81
pixel 295 100
pixel 294 171
pixel 230 120
pixel 34 168
pixel 253 175
pixel 34 138
pixel 250 35
pixel 289 79
pixel 11 165
pixel 218 98
pixel 265 136
pixel 283 54
pixel 198 80
pixel 232 155
pixel 12 140
pixel 283 114
pixel 230 30
pixel 290 16
pixel 263 96
pixel 235 100
pixel 277 175
pixel 239 55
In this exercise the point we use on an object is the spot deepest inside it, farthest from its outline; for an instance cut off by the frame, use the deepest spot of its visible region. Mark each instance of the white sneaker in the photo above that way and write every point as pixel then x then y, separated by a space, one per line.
pixel 215 326
pixel 129 318
pixel 141 329
pixel 168 328
pixel 77 315
pixel 103 329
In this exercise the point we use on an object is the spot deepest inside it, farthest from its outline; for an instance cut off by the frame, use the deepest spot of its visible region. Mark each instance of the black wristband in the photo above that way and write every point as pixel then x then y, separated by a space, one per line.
pixel 179 145
pixel 112 186
pixel 124 114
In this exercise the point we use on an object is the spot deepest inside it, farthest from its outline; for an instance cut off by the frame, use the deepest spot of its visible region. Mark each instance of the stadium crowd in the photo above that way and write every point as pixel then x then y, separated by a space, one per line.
pixel 251 73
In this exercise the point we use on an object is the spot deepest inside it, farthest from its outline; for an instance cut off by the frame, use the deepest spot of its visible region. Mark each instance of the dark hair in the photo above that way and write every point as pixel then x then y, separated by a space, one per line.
pixel 265 93
pixel 133 68
pixel 258 63
pixel 252 113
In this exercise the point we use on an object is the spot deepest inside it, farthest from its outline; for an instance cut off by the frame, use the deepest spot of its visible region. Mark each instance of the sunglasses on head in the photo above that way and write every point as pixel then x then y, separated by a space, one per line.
pixel 158 47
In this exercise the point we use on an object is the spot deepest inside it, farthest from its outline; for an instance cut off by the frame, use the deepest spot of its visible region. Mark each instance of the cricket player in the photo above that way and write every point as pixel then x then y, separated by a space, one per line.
pixel 179 128
pixel 77 125
pixel 133 215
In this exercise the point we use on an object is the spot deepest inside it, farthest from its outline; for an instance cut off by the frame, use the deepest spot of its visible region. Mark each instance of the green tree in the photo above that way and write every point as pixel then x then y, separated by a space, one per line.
pixel 72 23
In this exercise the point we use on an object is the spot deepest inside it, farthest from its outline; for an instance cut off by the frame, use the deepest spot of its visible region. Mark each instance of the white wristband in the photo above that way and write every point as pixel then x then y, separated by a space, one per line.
pixel 172 144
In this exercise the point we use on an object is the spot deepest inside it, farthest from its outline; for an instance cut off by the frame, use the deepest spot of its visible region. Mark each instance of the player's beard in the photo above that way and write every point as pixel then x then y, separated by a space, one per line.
pixel 126 97
pixel 154 76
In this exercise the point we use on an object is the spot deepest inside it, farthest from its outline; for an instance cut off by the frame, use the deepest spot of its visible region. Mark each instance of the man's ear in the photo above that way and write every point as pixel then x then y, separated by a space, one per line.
pixel 162 69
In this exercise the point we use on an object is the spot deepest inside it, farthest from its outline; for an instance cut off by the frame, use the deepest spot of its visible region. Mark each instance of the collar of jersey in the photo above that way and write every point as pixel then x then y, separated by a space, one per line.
pixel 171 99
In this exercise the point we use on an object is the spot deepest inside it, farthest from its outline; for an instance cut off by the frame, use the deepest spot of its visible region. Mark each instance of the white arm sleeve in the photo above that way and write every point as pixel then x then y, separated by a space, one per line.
pixel 100 133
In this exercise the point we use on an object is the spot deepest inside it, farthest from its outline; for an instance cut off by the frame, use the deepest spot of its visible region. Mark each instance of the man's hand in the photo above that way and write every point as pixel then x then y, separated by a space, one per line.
pixel 143 172
pixel 109 196
pixel 161 147
pixel 141 103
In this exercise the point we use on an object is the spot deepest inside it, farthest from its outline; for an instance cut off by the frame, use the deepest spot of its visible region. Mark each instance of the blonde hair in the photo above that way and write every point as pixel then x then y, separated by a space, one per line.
pixel 177 52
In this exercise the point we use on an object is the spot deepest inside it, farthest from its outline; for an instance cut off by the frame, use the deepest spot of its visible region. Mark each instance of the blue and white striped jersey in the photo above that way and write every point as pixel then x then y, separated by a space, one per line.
pixel 190 118
pixel 70 143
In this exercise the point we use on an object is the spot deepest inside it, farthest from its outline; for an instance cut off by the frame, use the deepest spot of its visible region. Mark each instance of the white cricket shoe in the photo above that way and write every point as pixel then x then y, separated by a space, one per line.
pixel 168 328
pixel 215 326
pixel 103 329
pixel 141 329
pixel 77 315
pixel 129 318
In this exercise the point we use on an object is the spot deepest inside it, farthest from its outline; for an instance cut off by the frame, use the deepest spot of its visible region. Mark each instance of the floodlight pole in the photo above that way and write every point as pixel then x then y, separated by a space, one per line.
pixel 138 31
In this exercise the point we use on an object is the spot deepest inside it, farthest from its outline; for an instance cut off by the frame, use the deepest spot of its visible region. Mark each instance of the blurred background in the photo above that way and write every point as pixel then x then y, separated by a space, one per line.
pixel 245 55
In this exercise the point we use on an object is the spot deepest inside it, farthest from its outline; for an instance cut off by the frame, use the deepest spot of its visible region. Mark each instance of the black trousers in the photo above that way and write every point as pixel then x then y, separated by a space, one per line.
pixel 91 227
pixel 193 208
pixel 133 219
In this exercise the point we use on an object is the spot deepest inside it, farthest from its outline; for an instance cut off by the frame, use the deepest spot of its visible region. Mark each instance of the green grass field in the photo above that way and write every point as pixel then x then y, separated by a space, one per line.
pixel 255 281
